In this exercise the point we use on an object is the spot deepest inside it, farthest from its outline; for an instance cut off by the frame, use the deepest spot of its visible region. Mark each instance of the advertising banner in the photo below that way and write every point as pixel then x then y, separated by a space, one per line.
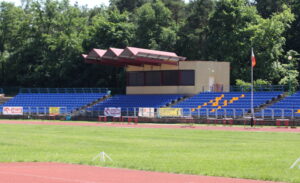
pixel 146 112
pixel 12 111
pixel 170 112
pixel 112 111
pixel 54 110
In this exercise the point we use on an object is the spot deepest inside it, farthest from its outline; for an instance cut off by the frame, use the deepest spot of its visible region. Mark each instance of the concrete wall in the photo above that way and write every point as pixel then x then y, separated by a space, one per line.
pixel 207 73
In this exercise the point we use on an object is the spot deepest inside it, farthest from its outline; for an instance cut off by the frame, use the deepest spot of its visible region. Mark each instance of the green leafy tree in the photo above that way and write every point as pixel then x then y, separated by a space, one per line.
pixel 288 70
pixel 11 18
pixel 128 5
pixel 110 29
pixel 236 27
pixel 178 9
pixel 267 7
pixel 193 34
pixel 293 34
pixel 269 41
pixel 155 27
pixel 53 33
pixel 227 38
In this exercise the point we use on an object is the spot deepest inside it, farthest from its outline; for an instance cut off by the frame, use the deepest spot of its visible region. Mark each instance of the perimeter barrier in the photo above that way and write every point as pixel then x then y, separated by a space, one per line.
pixel 226 116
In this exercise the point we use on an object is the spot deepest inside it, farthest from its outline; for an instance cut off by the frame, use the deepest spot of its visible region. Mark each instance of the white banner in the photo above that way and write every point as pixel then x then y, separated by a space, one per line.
pixel 12 110
pixel 112 111
pixel 146 112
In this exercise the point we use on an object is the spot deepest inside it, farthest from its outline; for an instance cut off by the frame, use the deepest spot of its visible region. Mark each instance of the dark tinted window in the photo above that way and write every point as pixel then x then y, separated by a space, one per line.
pixel 187 77
pixel 135 78
pixel 170 78
pixel 152 78
pixel 161 78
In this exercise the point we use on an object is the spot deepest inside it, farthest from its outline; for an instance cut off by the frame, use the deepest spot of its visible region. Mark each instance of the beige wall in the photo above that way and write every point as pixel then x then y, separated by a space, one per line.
pixel 204 71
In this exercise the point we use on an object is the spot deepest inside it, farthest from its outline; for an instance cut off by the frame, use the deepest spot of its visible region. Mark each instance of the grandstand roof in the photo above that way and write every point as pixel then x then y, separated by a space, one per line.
pixel 131 56
pixel 112 53
pixel 96 54
pixel 84 56
pixel 136 51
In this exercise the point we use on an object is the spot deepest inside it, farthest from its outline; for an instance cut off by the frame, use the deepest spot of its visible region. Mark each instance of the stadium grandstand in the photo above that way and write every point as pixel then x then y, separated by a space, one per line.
pixel 161 83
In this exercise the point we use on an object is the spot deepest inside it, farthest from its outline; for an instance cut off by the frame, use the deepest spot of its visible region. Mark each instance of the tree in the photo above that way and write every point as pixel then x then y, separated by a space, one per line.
pixel 128 5
pixel 110 29
pixel 10 26
pixel 51 45
pixel 193 33
pixel 267 7
pixel 41 41
pixel 268 39
pixel 288 70
pixel 227 40
pixel 155 27
pixel 293 34
pixel 236 27
pixel 177 7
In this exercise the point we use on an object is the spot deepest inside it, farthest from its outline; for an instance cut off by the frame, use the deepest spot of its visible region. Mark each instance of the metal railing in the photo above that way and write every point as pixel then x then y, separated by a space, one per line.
pixel 245 88
pixel 258 88
pixel 234 113
pixel 63 90
pixel 40 111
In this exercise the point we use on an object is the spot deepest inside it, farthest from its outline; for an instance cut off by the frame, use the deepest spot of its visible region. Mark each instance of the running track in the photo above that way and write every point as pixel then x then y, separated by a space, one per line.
pixel 68 173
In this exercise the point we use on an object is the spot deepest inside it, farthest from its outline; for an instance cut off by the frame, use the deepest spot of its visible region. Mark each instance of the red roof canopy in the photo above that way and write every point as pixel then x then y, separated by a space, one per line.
pixel 131 56
pixel 96 54
pixel 136 51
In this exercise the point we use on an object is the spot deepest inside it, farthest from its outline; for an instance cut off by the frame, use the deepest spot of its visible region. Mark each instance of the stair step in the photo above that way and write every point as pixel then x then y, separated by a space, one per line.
pixel 83 108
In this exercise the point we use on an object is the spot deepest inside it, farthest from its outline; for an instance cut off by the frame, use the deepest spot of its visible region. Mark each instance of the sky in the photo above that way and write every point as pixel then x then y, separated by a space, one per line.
pixel 89 3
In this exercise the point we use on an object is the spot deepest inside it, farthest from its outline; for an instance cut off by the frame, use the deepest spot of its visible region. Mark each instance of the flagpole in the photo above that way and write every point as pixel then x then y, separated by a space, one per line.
pixel 252 109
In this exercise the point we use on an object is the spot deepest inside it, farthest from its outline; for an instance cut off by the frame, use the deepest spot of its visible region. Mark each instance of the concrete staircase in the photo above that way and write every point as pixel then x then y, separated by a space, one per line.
pixel 4 99
pixel 269 103
pixel 177 101
pixel 279 98
pixel 83 108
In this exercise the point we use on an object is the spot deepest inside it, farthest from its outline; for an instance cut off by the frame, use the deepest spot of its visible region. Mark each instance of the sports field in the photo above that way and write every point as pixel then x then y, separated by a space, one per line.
pixel 252 155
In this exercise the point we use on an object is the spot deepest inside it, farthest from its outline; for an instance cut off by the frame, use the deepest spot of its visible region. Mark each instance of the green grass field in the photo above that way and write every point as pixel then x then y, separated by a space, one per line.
pixel 253 155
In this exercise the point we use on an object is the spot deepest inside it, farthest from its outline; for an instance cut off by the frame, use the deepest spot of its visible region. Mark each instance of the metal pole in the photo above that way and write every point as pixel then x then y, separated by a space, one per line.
pixel 252 110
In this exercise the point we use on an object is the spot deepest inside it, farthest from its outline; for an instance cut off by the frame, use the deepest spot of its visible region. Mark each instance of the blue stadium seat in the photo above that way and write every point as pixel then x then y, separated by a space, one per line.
pixel 237 107
pixel 287 107
pixel 40 102
pixel 129 102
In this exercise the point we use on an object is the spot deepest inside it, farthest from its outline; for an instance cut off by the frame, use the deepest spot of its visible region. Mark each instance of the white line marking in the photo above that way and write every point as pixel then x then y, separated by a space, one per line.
pixel 295 163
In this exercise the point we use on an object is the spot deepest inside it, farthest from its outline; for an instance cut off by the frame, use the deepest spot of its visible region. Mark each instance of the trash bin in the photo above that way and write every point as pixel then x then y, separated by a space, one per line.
pixel 68 117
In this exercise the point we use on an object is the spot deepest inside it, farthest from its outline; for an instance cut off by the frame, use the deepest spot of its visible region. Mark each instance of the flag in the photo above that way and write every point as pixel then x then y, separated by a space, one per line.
pixel 253 60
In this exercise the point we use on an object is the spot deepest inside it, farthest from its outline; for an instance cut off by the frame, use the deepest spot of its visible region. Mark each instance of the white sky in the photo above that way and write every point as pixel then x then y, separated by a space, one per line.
pixel 90 3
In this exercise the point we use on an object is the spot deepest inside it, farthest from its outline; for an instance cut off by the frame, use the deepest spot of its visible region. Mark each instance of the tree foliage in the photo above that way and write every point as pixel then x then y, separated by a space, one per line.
pixel 41 42
pixel 155 27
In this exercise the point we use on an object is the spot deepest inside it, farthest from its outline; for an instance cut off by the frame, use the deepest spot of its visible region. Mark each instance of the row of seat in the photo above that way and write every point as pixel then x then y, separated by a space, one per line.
pixel 226 100
pixel 42 101
pixel 134 101
pixel 204 103
pixel 287 107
